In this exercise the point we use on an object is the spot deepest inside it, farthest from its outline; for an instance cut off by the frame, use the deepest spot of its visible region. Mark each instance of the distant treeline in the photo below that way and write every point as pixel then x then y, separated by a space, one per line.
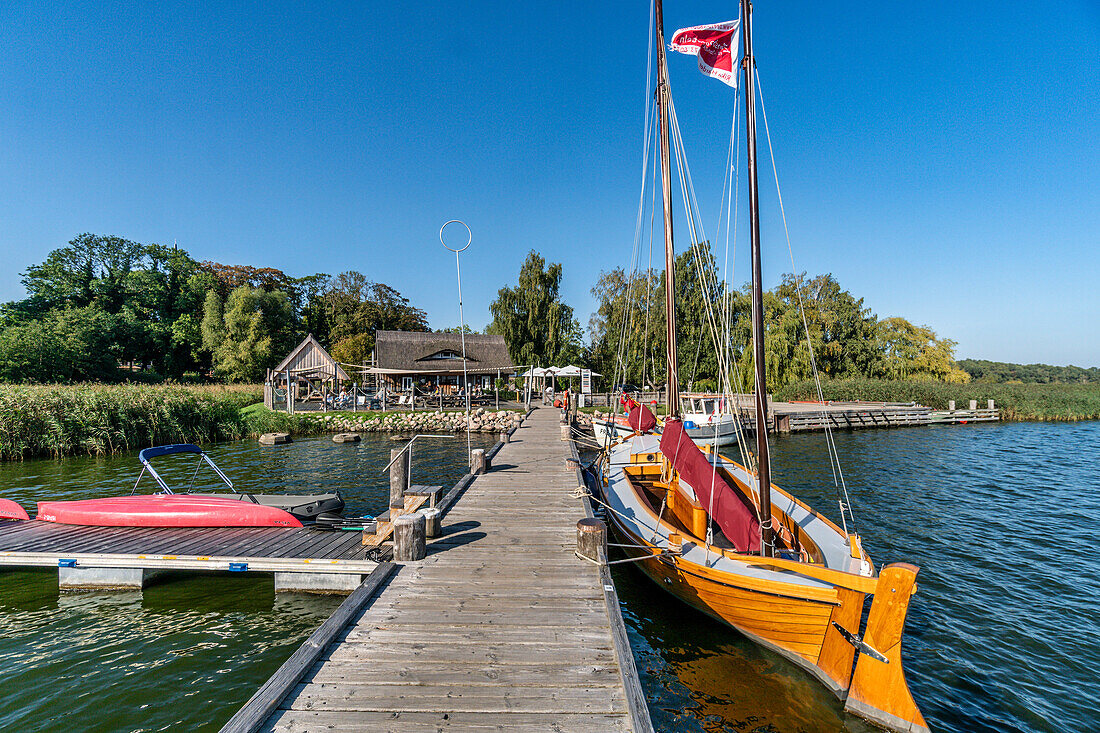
pixel 981 370
pixel 628 331
pixel 109 309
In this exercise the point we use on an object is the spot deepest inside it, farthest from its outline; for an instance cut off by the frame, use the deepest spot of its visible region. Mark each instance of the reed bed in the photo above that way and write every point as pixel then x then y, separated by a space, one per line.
pixel 1042 402
pixel 97 419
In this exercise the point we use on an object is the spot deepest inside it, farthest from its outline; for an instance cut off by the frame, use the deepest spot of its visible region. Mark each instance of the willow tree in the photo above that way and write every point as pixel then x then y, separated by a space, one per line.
pixel 537 326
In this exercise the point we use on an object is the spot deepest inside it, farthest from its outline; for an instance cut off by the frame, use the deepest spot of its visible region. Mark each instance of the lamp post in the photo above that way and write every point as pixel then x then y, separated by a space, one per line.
pixel 461 319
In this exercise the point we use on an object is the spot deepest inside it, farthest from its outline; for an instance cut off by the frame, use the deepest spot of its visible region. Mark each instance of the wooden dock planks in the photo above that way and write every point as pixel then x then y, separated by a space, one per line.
pixel 501 627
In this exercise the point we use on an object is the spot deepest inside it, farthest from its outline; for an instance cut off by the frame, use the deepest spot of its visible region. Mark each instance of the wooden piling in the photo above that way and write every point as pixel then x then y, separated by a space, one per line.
pixel 973 404
pixel 409 543
pixel 504 436
pixel 479 462
pixel 431 521
pixel 399 478
pixel 592 539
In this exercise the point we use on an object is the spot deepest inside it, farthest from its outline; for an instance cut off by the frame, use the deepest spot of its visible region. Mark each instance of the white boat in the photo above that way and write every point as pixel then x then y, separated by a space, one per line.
pixel 707 418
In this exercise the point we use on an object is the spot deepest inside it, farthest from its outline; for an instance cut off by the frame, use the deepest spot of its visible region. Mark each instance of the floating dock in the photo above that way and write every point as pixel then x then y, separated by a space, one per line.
pixel 302 558
pixel 500 627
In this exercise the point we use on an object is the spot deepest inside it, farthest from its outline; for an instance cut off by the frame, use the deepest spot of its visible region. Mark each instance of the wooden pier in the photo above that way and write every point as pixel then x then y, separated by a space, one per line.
pixel 128 557
pixel 500 627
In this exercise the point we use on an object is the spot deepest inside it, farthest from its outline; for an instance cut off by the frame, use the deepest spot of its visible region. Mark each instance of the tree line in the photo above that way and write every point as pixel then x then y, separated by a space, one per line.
pixel 105 308
pixel 999 372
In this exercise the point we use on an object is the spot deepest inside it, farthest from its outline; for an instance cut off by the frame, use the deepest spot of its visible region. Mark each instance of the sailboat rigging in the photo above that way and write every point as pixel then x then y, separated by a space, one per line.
pixel 718 534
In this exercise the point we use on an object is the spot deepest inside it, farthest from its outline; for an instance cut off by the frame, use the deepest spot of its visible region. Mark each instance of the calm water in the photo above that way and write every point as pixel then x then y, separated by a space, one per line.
pixel 1004 631
pixel 185 653
pixel 1003 634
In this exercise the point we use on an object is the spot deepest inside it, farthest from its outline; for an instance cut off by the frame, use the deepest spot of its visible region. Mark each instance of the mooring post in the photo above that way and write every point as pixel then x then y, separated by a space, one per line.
pixel 431 521
pixel 504 436
pixel 399 478
pixel 951 405
pixel 409 542
pixel 989 403
pixel 973 404
pixel 479 463
pixel 592 539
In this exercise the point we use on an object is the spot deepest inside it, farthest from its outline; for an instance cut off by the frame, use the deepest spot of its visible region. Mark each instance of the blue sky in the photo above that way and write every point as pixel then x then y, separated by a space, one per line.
pixel 941 159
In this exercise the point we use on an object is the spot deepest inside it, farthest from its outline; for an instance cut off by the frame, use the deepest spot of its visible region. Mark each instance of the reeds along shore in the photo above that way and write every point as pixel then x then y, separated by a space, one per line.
pixel 1053 402
pixel 96 419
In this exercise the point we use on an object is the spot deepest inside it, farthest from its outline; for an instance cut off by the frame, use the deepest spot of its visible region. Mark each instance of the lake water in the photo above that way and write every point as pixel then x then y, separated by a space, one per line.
pixel 187 652
pixel 1003 633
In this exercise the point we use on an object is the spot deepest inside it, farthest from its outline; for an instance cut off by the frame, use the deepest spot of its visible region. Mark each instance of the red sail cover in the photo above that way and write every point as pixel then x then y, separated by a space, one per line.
pixel 641 419
pixel 715 46
pixel 734 516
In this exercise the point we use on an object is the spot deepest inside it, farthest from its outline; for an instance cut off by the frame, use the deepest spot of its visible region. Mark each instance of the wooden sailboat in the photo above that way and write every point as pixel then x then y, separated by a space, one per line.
pixel 758 560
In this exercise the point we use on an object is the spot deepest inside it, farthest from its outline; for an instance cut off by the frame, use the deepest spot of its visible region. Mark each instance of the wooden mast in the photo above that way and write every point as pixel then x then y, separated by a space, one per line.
pixel 763 462
pixel 673 373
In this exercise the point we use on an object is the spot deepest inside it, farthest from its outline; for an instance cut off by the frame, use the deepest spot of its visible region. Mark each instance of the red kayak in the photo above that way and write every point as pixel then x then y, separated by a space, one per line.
pixel 11 510
pixel 164 510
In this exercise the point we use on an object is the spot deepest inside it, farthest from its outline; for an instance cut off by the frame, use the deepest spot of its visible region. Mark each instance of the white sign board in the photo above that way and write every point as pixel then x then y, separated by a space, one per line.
pixel 586 381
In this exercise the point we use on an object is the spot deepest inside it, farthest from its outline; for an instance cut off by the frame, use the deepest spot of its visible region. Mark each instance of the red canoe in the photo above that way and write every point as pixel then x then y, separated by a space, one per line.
pixel 10 510
pixel 164 510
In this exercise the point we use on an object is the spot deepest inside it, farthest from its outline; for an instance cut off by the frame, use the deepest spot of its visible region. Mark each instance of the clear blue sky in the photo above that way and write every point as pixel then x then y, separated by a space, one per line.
pixel 942 159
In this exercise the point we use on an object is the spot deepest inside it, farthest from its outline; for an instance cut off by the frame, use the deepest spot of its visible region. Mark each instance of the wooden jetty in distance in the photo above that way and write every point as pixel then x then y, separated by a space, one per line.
pixel 500 627
pixel 794 417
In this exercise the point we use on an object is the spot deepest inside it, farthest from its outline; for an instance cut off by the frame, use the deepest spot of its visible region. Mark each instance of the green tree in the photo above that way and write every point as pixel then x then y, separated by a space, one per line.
pixel 916 352
pixel 537 326
pixel 65 345
pixel 258 330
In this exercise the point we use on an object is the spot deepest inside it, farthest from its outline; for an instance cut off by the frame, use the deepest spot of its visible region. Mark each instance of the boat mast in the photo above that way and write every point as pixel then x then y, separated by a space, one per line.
pixel 763 462
pixel 673 373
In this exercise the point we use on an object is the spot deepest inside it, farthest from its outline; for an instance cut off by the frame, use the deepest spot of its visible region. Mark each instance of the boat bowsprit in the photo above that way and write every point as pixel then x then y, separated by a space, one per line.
pixel 164 510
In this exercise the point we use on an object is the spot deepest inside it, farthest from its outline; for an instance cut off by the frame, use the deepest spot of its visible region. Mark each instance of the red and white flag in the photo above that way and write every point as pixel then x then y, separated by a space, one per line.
pixel 715 45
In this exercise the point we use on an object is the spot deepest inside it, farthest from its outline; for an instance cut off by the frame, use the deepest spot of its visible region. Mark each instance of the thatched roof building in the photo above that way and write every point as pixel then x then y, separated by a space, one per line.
pixel 402 357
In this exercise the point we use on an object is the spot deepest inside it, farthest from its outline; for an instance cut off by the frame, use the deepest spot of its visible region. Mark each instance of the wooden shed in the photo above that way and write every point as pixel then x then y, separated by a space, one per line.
pixel 307 374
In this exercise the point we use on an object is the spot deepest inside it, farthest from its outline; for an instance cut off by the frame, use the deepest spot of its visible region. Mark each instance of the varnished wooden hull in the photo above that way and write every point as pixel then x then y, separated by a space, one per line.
pixel 777 618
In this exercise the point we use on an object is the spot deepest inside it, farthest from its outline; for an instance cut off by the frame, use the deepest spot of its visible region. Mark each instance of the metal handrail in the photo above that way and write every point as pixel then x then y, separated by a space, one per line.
pixel 408 447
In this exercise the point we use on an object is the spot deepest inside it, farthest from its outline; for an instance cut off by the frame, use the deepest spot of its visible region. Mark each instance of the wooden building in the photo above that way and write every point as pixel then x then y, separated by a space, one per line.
pixel 309 372
pixel 433 361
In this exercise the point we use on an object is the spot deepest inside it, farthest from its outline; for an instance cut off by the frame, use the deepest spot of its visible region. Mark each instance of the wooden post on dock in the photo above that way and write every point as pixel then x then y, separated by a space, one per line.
pixel 409 542
pixel 503 436
pixel 399 478
pixel 431 521
pixel 951 405
pixel 989 404
pixel 592 539
pixel 479 462
pixel 973 404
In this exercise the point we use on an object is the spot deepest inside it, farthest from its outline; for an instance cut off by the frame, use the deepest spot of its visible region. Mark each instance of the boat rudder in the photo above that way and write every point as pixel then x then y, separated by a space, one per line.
pixel 878 691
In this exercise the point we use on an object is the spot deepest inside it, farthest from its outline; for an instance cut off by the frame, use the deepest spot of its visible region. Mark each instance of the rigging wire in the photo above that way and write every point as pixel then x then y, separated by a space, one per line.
pixel 834 456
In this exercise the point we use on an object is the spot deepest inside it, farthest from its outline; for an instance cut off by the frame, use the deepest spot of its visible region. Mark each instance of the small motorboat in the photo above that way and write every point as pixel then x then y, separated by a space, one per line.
pixel 166 508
